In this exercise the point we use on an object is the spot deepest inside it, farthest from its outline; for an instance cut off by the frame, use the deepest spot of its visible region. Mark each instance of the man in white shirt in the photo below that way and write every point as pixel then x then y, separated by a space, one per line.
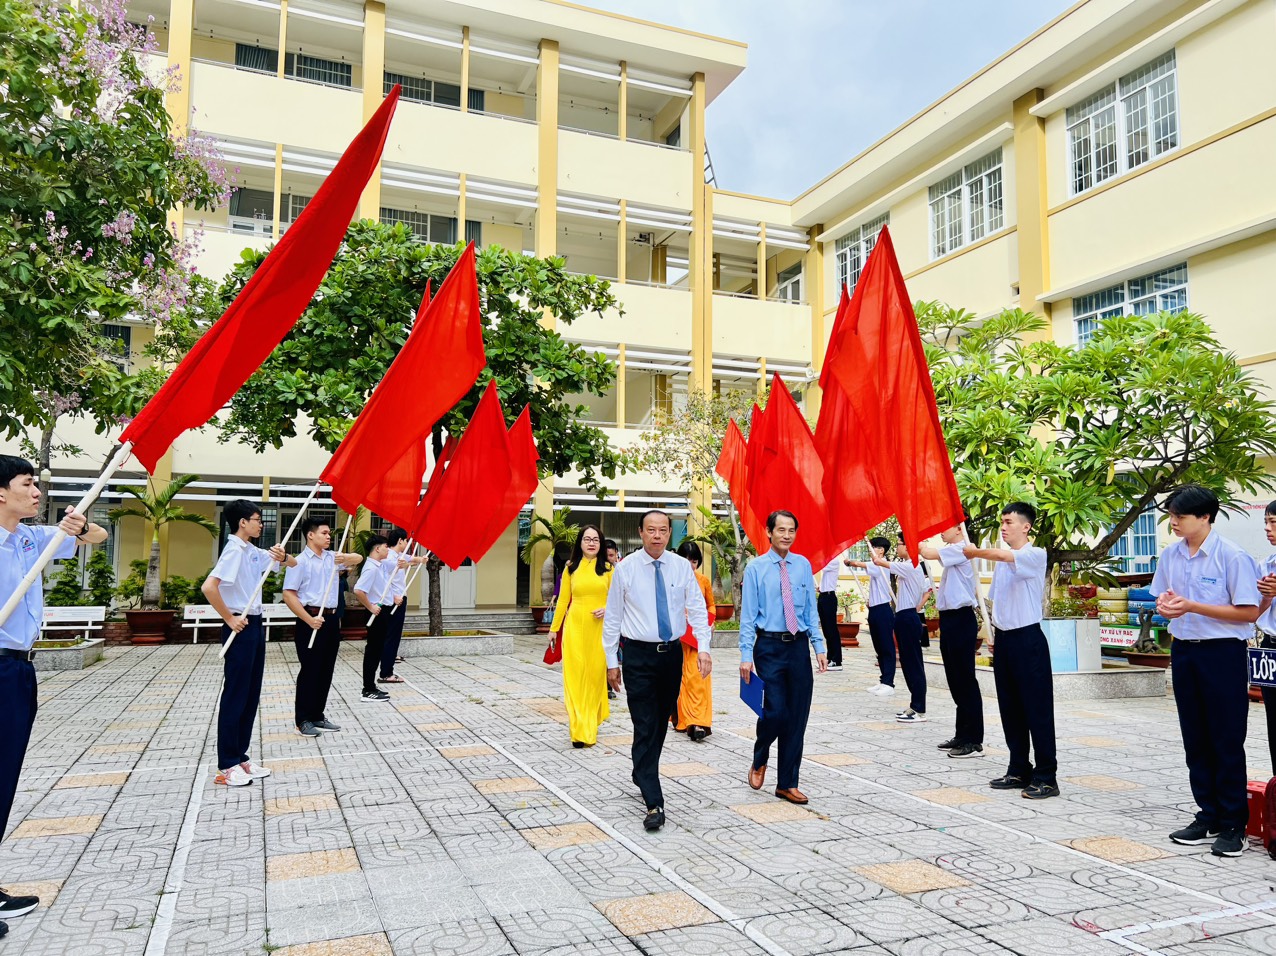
pixel 826 607
pixel 1021 659
pixel 913 584
pixel 232 590
pixel 310 591
pixel 1208 588
pixel 881 613
pixel 652 593
pixel 373 591
pixel 956 599
pixel 1267 622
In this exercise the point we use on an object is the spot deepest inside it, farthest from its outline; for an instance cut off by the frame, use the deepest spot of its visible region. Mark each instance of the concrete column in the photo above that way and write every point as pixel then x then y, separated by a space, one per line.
pixel 813 288
pixel 373 93
pixel 1030 208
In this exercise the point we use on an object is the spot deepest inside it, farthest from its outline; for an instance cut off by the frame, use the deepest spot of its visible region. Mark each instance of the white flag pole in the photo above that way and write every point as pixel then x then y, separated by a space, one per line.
pixel 81 507
pixel 270 568
pixel 979 588
pixel 323 605
pixel 408 577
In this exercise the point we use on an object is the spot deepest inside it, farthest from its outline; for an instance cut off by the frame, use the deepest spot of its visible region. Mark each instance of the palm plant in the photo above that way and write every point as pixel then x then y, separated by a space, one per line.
pixel 555 530
pixel 157 508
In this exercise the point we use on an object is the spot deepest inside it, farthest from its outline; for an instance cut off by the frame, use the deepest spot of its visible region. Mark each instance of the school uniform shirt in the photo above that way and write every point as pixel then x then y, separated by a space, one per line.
pixel 1017 588
pixel 1219 573
pixel 374 579
pixel 19 550
pixel 313 580
pixel 957 583
pixel 879 585
pixel 1266 623
pixel 828 576
pixel 913 583
pixel 762 607
pixel 631 602
pixel 238 570
pixel 399 579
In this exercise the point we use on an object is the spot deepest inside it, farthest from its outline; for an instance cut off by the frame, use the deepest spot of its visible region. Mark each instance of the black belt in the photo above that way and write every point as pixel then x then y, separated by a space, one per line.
pixel 313 609
pixel 784 636
pixel 661 647
pixel 20 655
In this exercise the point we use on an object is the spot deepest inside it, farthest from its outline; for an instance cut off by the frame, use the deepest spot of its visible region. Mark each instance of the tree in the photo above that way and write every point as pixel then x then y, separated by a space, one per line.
pixel 157 509
pixel 326 367
pixel 1093 435
pixel 90 167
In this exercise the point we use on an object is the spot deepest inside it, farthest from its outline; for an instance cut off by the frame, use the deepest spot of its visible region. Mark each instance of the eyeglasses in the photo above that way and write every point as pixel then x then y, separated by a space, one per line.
pixel 590 541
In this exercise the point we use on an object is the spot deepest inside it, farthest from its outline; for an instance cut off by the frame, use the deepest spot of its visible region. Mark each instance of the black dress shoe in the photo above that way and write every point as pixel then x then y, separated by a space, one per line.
pixel 1008 782
pixel 654 819
pixel 578 744
pixel 697 733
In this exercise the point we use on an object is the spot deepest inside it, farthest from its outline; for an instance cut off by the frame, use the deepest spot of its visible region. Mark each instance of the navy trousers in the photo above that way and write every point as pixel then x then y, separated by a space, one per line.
pixel 1269 708
pixel 908 633
pixel 785 669
pixel 373 645
pixel 958 634
pixel 881 628
pixel 826 608
pixel 653 680
pixel 1211 692
pixel 316 664
pixel 242 668
pixel 18 703
pixel 1025 697
pixel 393 635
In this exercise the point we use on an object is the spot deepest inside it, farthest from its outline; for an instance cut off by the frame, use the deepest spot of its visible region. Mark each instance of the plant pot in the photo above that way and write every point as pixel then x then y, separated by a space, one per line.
pixel 538 618
pixel 932 626
pixel 848 633
pixel 1147 660
pixel 354 623
pixel 725 612
pixel 148 627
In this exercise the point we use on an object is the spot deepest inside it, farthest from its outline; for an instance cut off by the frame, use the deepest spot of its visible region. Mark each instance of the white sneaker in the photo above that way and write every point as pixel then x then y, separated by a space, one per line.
pixel 234 777
pixel 883 690
pixel 910 716
pixel 255 772
pixel 872 688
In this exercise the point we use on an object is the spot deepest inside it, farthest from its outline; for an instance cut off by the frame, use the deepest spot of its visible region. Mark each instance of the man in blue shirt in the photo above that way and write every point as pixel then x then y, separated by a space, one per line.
pixel 777 623
pixel 20 547
pixel 1208 588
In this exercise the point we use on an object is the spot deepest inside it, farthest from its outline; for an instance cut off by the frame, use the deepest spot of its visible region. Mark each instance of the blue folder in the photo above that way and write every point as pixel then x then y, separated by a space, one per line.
pixel 751 693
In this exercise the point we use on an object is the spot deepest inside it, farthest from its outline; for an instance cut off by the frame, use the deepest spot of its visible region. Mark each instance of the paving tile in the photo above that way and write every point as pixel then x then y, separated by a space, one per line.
pixel 638 915
pixel 456 753
pixel 952 796
pixel 56 826
pixel 292 866
pixel 507 785
pixel 1103 783
pixel 1118 849
pixel 479 936
pixel 776 812
pixel 912 876
pixel 75 781
pixel 570 834
pixel 281 805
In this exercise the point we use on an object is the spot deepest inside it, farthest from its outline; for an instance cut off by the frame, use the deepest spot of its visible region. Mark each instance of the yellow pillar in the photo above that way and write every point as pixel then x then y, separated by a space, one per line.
pixel 465 69
pixel 622 128
pixel 620 387
pixel 181 28
pixel 813 286
pixel 622 246
pixel 760 284
pixel 460 209
pixel 373 93
pixel 1030 207
pixel 762 383
pixel 700 280
pixel 279 190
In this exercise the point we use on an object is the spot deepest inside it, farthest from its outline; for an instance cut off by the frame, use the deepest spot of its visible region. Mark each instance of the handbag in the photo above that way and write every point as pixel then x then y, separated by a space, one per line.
pixel 554 652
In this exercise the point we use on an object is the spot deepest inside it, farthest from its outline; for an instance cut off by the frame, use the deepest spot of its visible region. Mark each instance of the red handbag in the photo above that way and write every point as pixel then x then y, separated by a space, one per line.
pixel 554 652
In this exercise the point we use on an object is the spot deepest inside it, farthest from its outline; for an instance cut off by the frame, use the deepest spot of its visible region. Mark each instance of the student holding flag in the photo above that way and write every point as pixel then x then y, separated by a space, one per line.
pixel 1267 622
pixel 913 584
pixel 397 539
pixel 372 590
pixel 881 613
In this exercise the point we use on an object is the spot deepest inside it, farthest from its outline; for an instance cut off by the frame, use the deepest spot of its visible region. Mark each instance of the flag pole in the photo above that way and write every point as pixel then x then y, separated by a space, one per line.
pixel 270 568
pixel 408 578
pixel 979 588
pixel 323 605
pixel 81 507
pixel 389 583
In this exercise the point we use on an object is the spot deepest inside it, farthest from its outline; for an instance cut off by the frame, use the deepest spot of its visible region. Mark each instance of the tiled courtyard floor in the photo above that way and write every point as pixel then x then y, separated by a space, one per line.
pixel 458 819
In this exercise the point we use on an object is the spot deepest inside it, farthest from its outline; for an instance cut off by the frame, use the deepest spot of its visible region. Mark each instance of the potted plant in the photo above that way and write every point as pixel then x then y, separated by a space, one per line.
pixel 557 533
pixel 149 619
pixel 1146 652
pixel 848 604
pixel 731 550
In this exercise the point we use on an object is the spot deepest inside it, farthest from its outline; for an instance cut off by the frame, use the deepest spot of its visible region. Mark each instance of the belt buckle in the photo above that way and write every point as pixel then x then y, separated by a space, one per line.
pixel 787 638
pixel 31 656
pixel 663 647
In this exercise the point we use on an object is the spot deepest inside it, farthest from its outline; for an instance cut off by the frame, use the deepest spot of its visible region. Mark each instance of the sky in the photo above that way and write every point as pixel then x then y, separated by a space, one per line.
pixel 827 78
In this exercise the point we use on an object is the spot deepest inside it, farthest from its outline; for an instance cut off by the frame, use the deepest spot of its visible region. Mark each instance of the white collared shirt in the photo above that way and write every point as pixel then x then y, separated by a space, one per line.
pixel 19 551
pixel 374 579
pixel 957 583
pixel 913 583
pixel 1017 589
pixel 1220 573
pixel 828 576
pixel 879 584
pixel 1267 623
pixel 399 579
pixel 631 602
pixel 238 571
pixel 313 579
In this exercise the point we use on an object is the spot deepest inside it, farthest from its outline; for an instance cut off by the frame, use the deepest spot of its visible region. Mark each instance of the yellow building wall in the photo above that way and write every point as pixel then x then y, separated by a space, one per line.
pixel 653 317
pixel 1231 287
pixel 479 145
pixel 496 576
pixel 1226 72
pixel 639 172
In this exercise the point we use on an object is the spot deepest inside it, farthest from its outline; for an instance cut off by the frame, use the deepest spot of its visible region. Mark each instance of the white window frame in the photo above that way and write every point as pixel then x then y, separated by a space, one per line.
pixel 790 289
pixel 968 205
pixel 1129 122
pixel 1162 291
pixel 851 251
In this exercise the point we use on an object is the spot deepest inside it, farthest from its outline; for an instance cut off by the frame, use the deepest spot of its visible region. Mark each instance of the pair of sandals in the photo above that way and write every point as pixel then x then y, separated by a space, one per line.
pixel 393 678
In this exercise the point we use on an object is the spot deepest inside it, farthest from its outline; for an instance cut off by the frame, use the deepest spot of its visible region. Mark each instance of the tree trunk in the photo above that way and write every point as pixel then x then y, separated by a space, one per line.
pixel 151 592
pixel 46 456
pixel 434 571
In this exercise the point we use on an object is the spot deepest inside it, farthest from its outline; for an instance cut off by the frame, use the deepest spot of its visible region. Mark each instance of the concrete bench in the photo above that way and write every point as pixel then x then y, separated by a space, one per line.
pixel 82 620
pixel 197 617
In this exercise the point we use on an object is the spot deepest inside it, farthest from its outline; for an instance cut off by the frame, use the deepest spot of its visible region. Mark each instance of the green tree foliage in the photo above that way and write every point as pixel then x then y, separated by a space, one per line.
pixel 157 508
pixel 1095 434
pixel 66 590
pixel 101 578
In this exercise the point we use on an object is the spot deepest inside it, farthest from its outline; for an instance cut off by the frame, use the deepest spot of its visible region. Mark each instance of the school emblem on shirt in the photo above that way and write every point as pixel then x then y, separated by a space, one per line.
pixel 28 545
pixel 1205 580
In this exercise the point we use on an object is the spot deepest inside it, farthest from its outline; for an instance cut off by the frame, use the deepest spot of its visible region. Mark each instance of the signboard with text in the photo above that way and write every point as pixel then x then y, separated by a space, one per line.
pixel 1262 666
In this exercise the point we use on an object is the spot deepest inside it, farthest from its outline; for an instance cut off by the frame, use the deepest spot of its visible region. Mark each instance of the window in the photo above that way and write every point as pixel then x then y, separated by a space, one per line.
pixel 260 59
pixel 853 249
pixel 252 210
pixel 1164 291
pixel 291 209
pixel 431 228
pixel 1124 125
pixel 421 90
pixel 121 338
pixel 318 70
pixel 788 286
pixel 1136 549
pixel 967 206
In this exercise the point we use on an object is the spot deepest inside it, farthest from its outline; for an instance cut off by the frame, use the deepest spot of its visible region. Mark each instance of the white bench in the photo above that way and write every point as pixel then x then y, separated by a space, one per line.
pixel 196 617
pixel 81 619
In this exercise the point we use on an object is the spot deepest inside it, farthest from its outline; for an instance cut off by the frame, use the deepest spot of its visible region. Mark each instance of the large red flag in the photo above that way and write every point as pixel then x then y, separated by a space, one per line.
pixel 734 471
pixel 522 484
pixel 268 305
pixel 882 367
pixel 437 365
pixel 786 474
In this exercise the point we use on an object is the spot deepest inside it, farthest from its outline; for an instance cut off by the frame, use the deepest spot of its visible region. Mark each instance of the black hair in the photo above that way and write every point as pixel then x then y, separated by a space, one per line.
pixel 1193 500
pixel 1271 509
pixel 374 540
pixel 1023 509
pixel 578 552
pixel 241 509
pixel 394 536
pixel 771 518
pixel 642 518
pixel 610 545
pixel 11 466
pixel 880 542
pixel 314 524
pixel 691 551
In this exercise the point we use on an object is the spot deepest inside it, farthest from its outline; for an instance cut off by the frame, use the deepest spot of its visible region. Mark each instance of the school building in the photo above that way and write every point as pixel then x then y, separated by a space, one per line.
pixel 1115 161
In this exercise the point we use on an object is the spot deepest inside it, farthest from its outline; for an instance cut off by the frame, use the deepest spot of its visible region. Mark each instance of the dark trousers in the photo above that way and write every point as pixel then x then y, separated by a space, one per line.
pixel 393 635
pixel 373 646
pixel 826 607
pixel 316 664
pixel 18 704
pixel 1269 708
pixel 881 628
pixel 242 668
pixel 785 669
pixel 1211 692
pixel 908 633
pixel 653 678
pixel 958 633
pixel 1025 697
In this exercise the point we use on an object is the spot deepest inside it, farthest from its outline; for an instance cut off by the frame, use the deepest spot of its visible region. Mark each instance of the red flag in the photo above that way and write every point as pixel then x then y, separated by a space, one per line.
pixel 522 484
pixel 734 471
pixel 881 366
pixel 266 308
pixel 432 372
pixel 785 473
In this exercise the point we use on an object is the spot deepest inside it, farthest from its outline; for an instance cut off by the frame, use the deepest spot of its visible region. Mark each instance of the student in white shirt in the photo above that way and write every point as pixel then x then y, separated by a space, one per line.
pixel 913 584
pixel 1267 622
pixel 373 591
pixel 826 607
pixel 958 634
pixel 1208 588
pixel 1021 658
pixel 881 614
pixel 397 538
pixel 231 588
